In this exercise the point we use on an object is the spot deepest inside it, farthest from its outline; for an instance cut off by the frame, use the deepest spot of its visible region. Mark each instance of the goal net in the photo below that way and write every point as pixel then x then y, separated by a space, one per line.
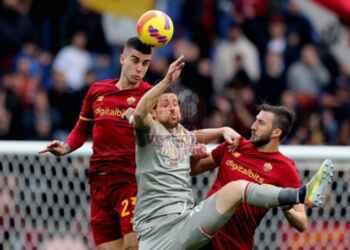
pixel 44 201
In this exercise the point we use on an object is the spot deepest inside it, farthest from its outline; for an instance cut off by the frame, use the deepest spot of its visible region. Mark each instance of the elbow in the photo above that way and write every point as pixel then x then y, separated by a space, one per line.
pixel 137 116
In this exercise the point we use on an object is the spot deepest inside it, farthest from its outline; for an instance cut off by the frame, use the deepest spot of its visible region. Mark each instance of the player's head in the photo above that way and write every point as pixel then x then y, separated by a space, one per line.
pixel 272 123
pixel 167 110
pixel 135 60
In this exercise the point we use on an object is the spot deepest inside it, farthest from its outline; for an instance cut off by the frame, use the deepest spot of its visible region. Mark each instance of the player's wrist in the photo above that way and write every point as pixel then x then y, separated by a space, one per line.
pixel 66 148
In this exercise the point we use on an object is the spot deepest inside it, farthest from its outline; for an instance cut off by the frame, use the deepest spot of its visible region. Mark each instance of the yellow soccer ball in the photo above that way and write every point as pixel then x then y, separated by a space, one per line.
pixel 155 28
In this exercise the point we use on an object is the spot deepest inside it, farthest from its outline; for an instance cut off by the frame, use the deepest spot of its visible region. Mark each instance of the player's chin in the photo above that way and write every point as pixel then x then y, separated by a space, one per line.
pixel 134 80
pixel 173 122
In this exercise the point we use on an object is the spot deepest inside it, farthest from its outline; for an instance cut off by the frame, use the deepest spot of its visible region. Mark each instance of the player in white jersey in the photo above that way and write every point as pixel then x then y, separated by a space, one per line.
pixel 166 216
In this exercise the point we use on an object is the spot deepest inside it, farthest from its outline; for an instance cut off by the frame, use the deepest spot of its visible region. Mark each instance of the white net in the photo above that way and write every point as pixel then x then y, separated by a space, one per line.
pixel 44 202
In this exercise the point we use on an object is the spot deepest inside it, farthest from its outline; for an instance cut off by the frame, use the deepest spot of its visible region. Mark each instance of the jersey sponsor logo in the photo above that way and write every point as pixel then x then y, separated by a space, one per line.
pixel 100 98
pixel 173 149
pixel 267 167
pixel 246 171
pixel 130 100
pixel 109 112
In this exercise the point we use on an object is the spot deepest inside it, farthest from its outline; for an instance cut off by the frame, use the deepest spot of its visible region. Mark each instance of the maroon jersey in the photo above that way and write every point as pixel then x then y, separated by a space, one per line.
pixel 112 136
pixel 247 163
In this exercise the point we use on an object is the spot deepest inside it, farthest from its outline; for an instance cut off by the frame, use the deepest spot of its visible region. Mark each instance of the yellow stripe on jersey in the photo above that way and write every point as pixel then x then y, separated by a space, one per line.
pixel 85 119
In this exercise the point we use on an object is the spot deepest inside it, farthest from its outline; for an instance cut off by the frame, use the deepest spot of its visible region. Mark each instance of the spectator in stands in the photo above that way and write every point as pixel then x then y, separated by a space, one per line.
pixel 5 117
pixel 27 82
pixel 16 26
pixel 37 119
pixel 45 60
pixel 277 30
pixel 81 18
pixel 62 118
pixel 308 77
pixel 12 108
pixel 298 23
pixel 224 65
pixel 74 61
pixel 342 109
pixel 272 82
pixel 102 67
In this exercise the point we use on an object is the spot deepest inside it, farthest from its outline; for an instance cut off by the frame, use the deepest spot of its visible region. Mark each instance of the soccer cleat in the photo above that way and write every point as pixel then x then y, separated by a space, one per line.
pixel 316 187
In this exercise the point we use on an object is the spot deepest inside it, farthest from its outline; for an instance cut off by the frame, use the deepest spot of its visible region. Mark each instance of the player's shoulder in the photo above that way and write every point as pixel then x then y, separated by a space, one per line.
pixel 102 86
pixel 144 86
pixel 289 163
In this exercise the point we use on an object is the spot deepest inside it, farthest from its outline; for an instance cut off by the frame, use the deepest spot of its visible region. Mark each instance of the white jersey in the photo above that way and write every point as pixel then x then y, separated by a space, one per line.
pixel 162 172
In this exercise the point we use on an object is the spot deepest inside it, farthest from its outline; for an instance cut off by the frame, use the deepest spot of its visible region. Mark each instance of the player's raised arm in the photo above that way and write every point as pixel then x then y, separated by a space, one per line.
pixel 79 133
pixel 211 134
pixel 141 115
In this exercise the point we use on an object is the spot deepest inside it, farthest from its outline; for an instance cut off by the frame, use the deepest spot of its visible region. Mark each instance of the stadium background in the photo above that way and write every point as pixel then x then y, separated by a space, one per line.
pixel 239 53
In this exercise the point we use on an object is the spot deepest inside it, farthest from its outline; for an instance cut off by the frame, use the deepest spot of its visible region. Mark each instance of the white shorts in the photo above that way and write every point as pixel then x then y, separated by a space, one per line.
pixel 189 230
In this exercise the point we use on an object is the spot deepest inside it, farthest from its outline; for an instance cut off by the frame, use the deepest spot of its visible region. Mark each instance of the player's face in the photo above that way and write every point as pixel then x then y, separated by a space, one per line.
pixel 134 65
pixel 262 128
pixel 167 111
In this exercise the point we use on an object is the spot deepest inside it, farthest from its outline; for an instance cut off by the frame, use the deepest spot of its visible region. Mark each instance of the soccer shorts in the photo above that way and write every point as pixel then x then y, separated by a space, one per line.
pixel 112 207
pixel 190 230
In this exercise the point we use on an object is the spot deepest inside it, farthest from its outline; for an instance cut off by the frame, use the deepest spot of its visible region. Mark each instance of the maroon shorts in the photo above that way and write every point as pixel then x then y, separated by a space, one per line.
pixel 112 207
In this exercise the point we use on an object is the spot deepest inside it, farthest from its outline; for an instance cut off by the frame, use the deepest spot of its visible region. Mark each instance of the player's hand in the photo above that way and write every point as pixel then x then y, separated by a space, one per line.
pixel 127 115
pixel 175 69
pixel 230 136
pixel 199 151
pixel 57 148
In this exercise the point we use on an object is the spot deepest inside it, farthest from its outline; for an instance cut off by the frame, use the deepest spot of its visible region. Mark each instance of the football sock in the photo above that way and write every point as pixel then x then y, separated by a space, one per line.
pixel 268 196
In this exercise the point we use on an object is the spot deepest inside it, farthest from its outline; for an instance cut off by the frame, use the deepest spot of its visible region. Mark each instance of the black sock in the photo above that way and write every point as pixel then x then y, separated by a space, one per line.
pixel 302 194
pixel 288 196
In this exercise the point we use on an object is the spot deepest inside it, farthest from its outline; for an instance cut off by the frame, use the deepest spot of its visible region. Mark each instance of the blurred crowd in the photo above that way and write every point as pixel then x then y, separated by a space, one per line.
pixel 239 54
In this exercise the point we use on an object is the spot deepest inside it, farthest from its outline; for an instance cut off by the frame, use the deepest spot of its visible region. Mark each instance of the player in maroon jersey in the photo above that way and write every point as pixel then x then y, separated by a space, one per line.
pixel 257 160
pixel 112 164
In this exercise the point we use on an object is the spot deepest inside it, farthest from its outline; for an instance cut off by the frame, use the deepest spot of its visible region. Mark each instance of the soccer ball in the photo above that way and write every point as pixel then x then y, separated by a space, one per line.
pixel 155 28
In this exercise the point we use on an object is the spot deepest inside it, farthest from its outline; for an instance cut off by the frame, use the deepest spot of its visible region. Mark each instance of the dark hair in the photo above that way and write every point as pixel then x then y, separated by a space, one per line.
pixel 135 43
pixel 284 118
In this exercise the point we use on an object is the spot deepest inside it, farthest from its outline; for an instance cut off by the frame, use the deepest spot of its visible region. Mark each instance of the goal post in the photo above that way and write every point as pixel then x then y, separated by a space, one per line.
pixel 44 200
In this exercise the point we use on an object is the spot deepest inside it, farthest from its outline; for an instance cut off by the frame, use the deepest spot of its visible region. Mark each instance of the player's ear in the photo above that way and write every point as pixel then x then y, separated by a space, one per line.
pixel 122 58
pixel 153 113
pixel 276 132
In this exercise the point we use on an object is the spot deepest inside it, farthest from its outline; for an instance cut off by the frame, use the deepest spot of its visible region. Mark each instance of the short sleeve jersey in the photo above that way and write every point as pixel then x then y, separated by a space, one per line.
pixel 112 136
pixel 247 163
pixel 162 172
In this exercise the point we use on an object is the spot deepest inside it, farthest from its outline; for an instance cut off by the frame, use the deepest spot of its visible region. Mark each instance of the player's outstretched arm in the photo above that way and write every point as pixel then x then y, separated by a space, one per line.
pixel 145 105
pixel 57 148
pixel 202 165
pixel 201 161
pixel 211 134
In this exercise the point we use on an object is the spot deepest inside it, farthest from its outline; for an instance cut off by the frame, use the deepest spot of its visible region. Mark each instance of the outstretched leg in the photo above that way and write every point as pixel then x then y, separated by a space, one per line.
pixel 268 196
pixel 211 214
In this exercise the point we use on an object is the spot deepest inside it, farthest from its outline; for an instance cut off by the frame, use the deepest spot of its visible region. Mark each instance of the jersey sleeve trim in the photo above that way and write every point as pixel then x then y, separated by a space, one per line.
pixel 85 119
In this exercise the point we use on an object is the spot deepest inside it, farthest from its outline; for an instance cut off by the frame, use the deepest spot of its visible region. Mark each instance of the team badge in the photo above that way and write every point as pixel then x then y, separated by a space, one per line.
pixel 236 154
pixel 131 100
pixel 100 98
pixel 267 167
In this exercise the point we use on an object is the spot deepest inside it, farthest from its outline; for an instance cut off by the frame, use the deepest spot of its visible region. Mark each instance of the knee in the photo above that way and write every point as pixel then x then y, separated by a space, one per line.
pixel 237 186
